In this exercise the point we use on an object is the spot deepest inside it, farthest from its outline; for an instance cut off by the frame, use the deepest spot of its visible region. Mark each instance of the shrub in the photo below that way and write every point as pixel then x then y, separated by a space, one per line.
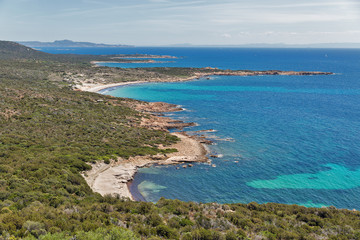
pixel 165 231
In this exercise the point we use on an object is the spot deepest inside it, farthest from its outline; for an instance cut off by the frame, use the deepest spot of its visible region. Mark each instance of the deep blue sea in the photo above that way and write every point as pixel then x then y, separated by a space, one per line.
pixel 284 139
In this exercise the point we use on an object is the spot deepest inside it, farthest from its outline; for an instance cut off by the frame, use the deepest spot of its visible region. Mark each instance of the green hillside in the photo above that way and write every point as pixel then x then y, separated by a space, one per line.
pixel 12 50
pixel 48 135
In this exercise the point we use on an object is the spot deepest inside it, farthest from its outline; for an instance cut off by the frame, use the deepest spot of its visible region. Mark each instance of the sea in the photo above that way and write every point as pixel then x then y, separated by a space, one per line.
pixel 283 139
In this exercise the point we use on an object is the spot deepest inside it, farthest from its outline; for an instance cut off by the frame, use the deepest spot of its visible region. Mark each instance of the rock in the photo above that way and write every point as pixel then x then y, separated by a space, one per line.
pixel 184 166
pixel 213 165
pixel 190 165
pixel 164 123
pixel 206 131
pixel 157 157
pixel 205 141
pixel 157 107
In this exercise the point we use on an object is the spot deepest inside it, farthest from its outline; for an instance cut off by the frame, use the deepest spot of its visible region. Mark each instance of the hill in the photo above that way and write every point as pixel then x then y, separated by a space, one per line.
pixel 70 44
pixel 12 50
pixel 50 133
pixel 15 51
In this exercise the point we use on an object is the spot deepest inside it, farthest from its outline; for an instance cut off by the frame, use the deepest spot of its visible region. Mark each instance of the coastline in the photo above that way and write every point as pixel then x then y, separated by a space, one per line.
pixel 96 87
pixel 114 178
pixel 207 72
pixel 289 164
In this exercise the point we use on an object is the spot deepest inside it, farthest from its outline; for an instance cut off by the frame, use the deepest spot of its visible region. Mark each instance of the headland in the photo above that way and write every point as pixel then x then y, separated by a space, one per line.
pixel 95 86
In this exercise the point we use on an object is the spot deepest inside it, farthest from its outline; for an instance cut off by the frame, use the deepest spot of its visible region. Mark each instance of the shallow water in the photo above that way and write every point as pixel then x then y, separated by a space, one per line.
pixel 296 138
pixel 284 140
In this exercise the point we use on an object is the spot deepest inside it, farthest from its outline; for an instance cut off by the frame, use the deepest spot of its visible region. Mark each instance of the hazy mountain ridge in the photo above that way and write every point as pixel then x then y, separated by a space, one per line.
pixel 73 44
pixel 68 43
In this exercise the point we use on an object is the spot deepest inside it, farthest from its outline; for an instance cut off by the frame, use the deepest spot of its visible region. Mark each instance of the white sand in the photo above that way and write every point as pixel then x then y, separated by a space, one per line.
pixel 92 87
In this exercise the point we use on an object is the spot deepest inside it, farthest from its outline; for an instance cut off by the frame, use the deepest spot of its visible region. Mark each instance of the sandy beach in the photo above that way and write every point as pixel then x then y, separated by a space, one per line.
pixel 96 87
pixel 113 178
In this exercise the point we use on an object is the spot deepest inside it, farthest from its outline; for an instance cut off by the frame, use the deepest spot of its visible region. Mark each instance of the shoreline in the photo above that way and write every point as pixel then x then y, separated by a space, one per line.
pixel 128 60
pixel 96 87
pixel 91 87
pixel 114 178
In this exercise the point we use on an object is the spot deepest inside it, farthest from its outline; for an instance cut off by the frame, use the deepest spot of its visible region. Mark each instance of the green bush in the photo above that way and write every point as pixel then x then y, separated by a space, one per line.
pixel 166 232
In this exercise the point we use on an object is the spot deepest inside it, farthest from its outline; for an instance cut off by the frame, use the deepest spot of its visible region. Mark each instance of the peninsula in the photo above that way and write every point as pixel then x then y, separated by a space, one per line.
pixel 106 77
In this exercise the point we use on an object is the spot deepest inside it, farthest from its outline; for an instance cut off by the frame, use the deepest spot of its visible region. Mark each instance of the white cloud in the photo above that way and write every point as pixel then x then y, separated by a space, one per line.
pixel 226 35
pixel 159 1
pixel 177 21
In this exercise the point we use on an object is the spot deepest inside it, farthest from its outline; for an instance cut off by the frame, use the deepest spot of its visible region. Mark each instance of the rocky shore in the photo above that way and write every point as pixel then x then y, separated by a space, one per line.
pixel 245 73
pixel 113 178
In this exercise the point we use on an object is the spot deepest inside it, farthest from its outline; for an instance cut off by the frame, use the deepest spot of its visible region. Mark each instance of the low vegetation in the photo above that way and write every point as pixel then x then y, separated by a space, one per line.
pixel 48 135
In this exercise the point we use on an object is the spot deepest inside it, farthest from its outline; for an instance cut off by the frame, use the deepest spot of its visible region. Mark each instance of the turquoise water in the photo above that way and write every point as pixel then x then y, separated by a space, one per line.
pixel 290 139
pixel 291 143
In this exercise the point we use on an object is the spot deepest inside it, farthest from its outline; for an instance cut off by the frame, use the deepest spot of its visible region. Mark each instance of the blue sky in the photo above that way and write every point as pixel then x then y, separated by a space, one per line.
pixel 157 22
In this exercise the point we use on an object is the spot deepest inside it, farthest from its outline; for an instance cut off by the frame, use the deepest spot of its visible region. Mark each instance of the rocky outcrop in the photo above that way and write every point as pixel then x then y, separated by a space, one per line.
pixel 164 123
pixel 157 107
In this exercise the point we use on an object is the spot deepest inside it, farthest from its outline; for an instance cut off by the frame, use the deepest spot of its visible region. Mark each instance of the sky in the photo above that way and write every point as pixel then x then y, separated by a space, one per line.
pixel 198 22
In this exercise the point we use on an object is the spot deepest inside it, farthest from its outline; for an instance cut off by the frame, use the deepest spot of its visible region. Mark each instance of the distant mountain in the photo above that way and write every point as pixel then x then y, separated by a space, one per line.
pixel 69 44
